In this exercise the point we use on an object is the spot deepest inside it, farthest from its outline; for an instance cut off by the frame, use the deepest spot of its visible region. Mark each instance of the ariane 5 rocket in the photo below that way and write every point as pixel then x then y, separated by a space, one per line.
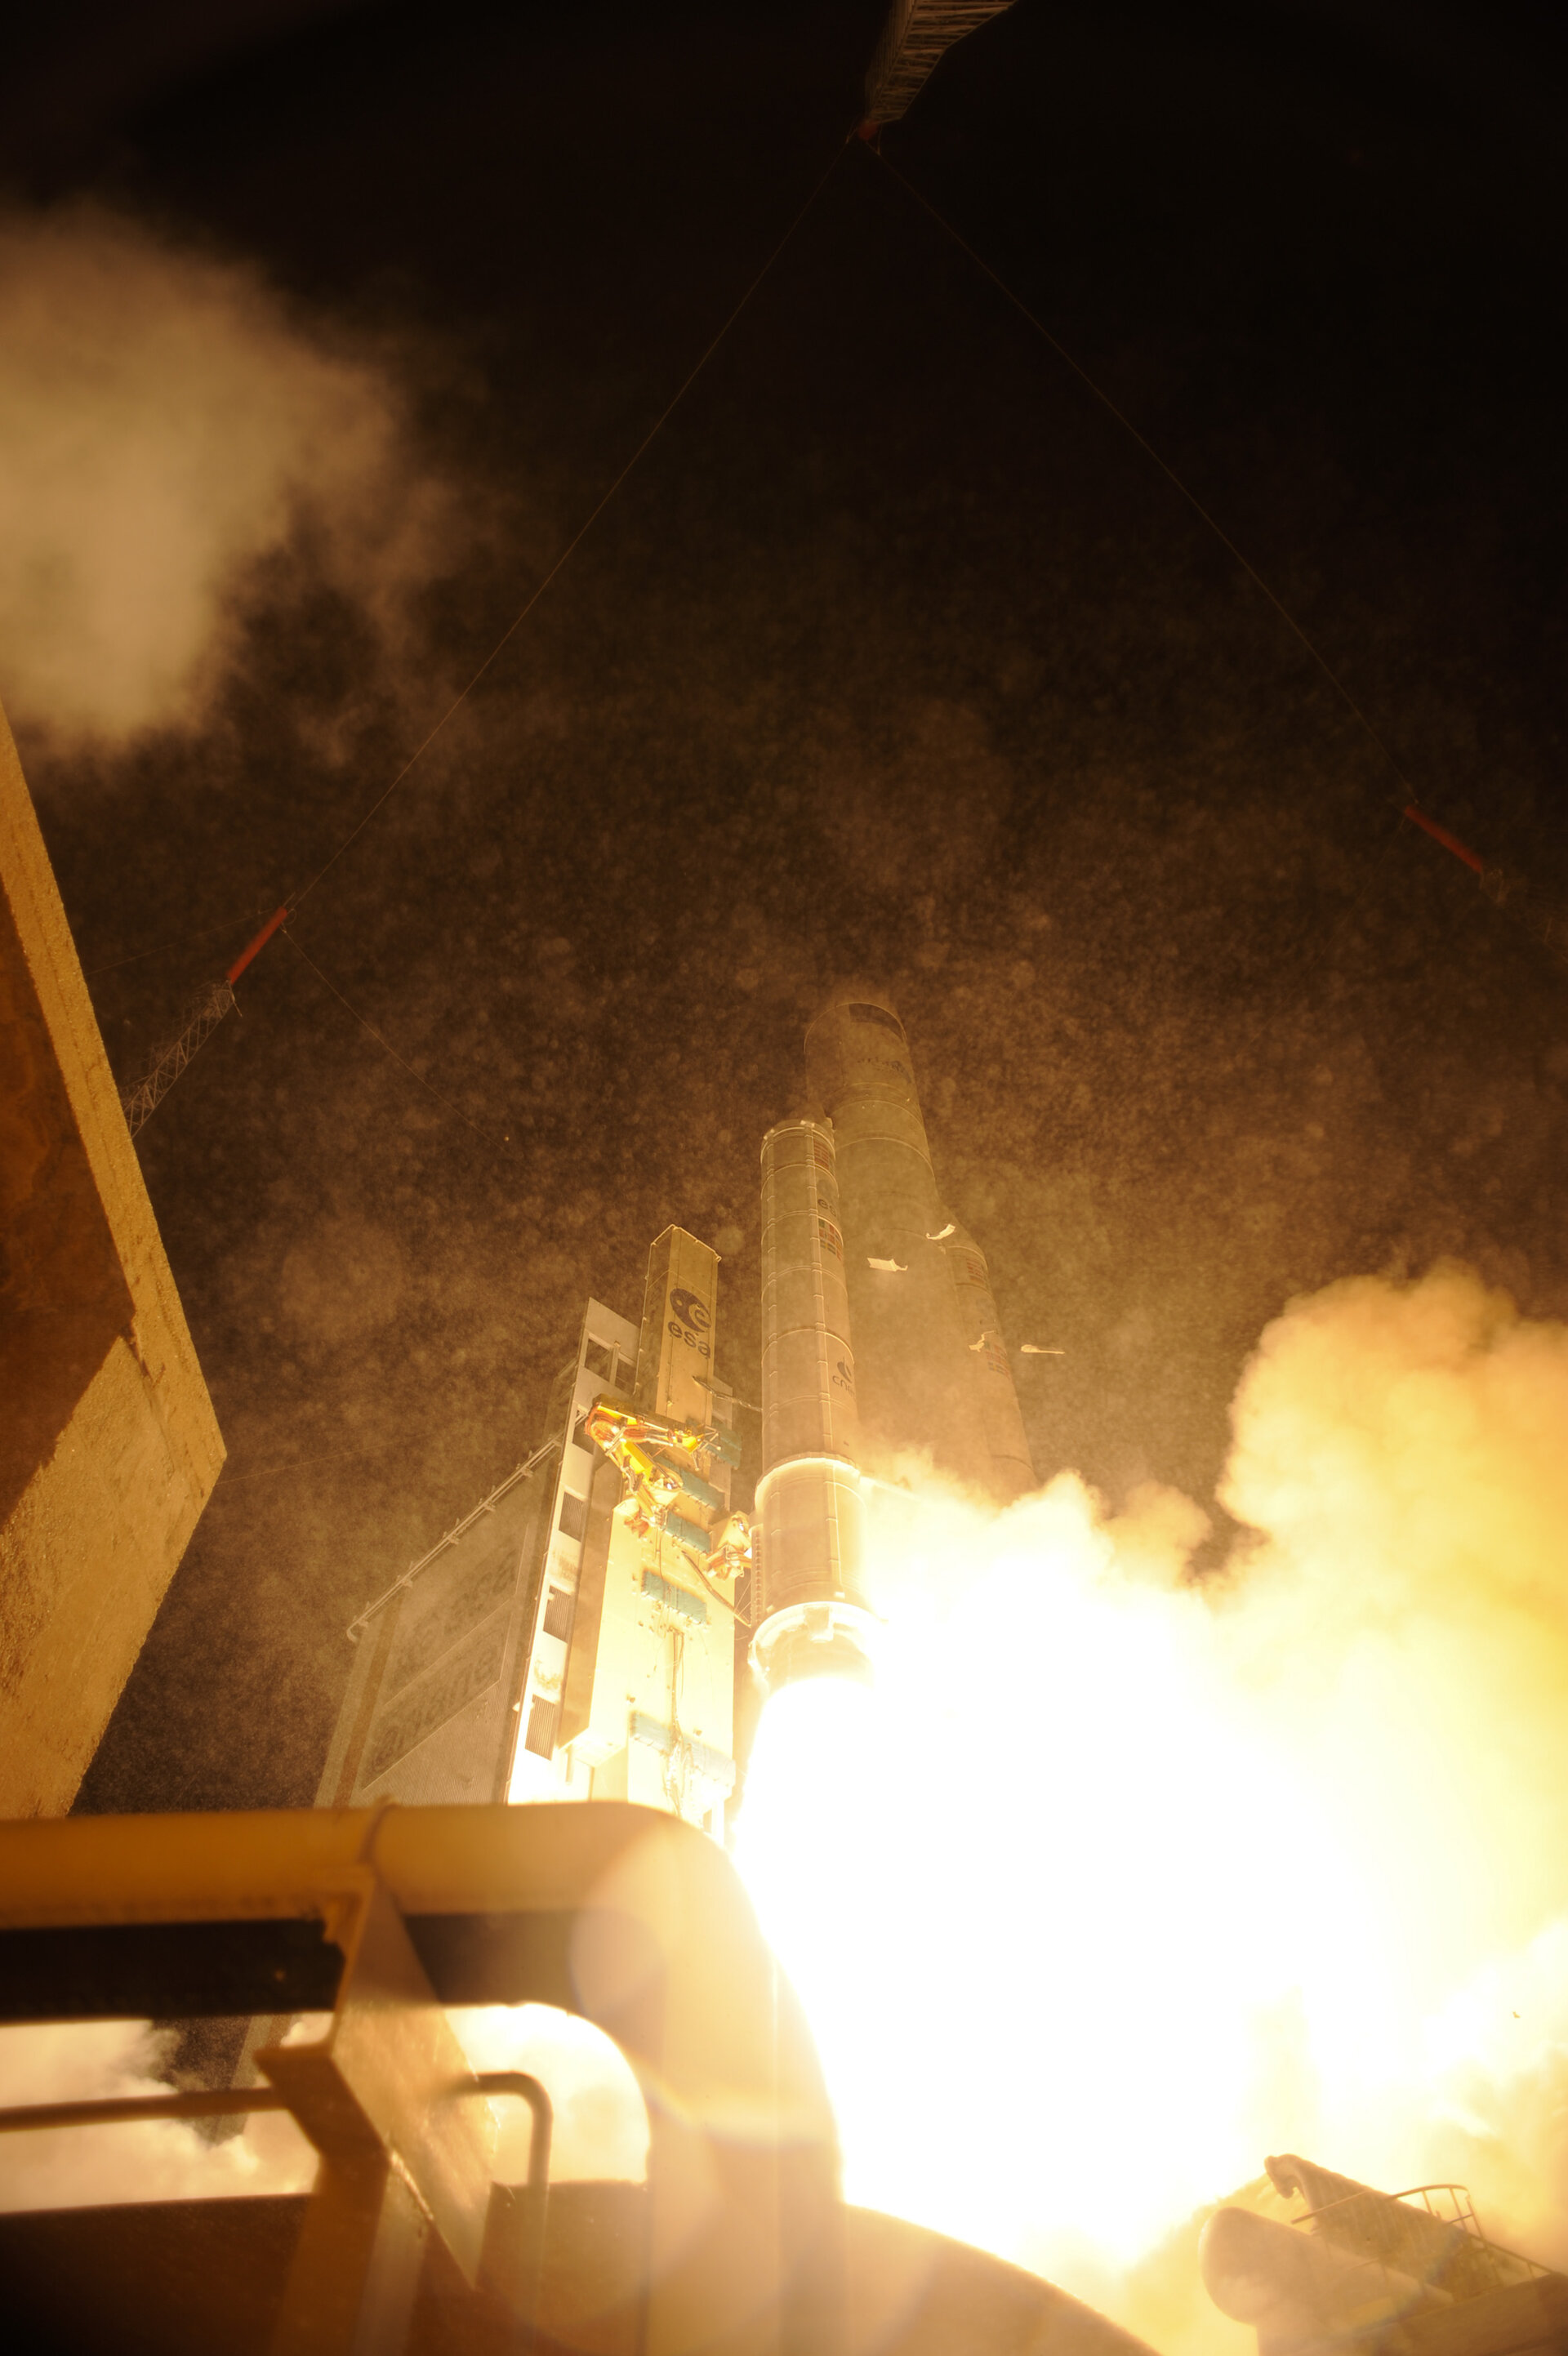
pixel 880 1338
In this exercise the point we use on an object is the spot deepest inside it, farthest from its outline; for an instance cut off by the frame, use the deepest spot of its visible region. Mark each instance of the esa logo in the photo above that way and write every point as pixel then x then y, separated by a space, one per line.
pixel 690 1320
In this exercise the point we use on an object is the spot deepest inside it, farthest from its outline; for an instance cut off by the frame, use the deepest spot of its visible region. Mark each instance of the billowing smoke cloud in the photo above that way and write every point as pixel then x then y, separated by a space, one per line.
pixel 142 2159
pixel 599 2123
pixel 1120 1881
pixel 599 2126
pixel 165 426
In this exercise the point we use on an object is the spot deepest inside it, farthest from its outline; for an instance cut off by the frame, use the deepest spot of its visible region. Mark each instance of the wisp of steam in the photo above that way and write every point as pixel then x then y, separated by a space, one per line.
pixel 165 424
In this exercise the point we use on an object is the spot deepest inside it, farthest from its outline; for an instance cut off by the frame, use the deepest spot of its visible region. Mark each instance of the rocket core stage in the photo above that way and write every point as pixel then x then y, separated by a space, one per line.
pixel 879 1336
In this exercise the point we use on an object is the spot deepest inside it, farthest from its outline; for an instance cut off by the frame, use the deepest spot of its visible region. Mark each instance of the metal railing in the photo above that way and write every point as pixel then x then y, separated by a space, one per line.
pixel 1435 2252
pixel 381 1919
pixel 526 2253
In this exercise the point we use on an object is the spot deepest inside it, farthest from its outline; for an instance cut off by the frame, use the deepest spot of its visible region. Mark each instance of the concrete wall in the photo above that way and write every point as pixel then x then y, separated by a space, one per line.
pixel 108 1447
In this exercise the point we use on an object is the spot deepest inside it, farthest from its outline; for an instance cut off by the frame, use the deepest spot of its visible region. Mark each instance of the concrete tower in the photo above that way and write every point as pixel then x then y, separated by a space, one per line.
pixel 108 1447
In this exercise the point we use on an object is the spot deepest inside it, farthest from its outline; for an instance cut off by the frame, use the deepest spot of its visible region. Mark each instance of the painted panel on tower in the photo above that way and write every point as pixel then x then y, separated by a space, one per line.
pixel 675 1365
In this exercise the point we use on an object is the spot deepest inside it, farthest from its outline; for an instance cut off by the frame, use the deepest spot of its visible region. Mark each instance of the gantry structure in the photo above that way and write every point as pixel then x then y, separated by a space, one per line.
pixel 917 35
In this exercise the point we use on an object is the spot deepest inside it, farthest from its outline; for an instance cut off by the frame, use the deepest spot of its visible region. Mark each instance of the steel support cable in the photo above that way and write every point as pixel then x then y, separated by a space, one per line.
pixel 1549 927
pixel 162 948
pixel 717 1593
pixel 385 1044
pixel 294 898
pixel 486 1504
pixel 1408 794
pixel 302 893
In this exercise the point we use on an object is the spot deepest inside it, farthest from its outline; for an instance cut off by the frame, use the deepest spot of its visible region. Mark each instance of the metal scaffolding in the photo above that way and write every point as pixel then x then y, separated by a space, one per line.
pixel 140 1102
pixel 917 35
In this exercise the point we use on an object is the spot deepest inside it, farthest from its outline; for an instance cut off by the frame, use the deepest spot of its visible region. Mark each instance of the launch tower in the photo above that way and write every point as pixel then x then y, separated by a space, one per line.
pixel 560 1643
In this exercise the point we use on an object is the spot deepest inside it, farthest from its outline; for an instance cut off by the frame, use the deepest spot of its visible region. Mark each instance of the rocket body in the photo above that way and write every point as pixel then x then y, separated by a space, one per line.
pixel 917 1391
pixel 880 1338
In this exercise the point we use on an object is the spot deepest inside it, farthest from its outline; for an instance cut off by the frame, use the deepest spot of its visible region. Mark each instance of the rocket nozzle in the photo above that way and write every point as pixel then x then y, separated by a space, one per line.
pixel 814 1640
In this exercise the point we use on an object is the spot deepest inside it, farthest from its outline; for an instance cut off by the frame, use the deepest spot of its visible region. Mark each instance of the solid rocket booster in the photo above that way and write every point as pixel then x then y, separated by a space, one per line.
pixel 812 1615
pixel 991 1375
pixel 918 1380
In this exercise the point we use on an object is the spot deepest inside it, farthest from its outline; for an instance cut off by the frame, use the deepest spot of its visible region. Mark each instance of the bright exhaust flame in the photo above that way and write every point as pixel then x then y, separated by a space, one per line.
pixel 1115 1883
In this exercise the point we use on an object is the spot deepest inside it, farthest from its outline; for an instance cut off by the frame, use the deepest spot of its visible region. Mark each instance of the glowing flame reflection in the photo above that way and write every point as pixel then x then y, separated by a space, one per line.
pixel 1113 1883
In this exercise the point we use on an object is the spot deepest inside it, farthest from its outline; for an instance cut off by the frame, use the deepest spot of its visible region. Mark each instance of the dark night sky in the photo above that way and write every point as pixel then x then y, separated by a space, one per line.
pixel 895 653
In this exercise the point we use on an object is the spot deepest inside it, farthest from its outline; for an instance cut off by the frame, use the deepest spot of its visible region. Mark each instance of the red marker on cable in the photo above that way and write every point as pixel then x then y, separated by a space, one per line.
pixel 279 917
pixel 140 1101
pixel 1550 926
pixel 1441 834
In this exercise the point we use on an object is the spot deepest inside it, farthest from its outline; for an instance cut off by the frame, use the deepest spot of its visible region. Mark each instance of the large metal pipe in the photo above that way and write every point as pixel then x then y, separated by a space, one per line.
pixel 812 1615
pixel 916 1389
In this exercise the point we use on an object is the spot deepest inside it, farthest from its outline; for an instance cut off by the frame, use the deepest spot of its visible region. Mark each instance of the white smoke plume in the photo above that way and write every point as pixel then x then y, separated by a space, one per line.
pixel 165 424
pixel 599 2126
pixel 1120 1882
pixel 140 2160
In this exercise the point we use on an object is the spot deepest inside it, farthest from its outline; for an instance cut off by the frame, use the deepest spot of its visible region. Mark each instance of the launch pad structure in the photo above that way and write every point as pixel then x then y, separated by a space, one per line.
pixel 580 1634
pixel 563 1643
pixel 737 2242
pixel 574 1638
pixel 915 39
pixel 1322 2266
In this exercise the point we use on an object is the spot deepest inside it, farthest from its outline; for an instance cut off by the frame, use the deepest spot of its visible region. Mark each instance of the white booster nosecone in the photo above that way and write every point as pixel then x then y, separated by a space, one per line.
pixel 812 1615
